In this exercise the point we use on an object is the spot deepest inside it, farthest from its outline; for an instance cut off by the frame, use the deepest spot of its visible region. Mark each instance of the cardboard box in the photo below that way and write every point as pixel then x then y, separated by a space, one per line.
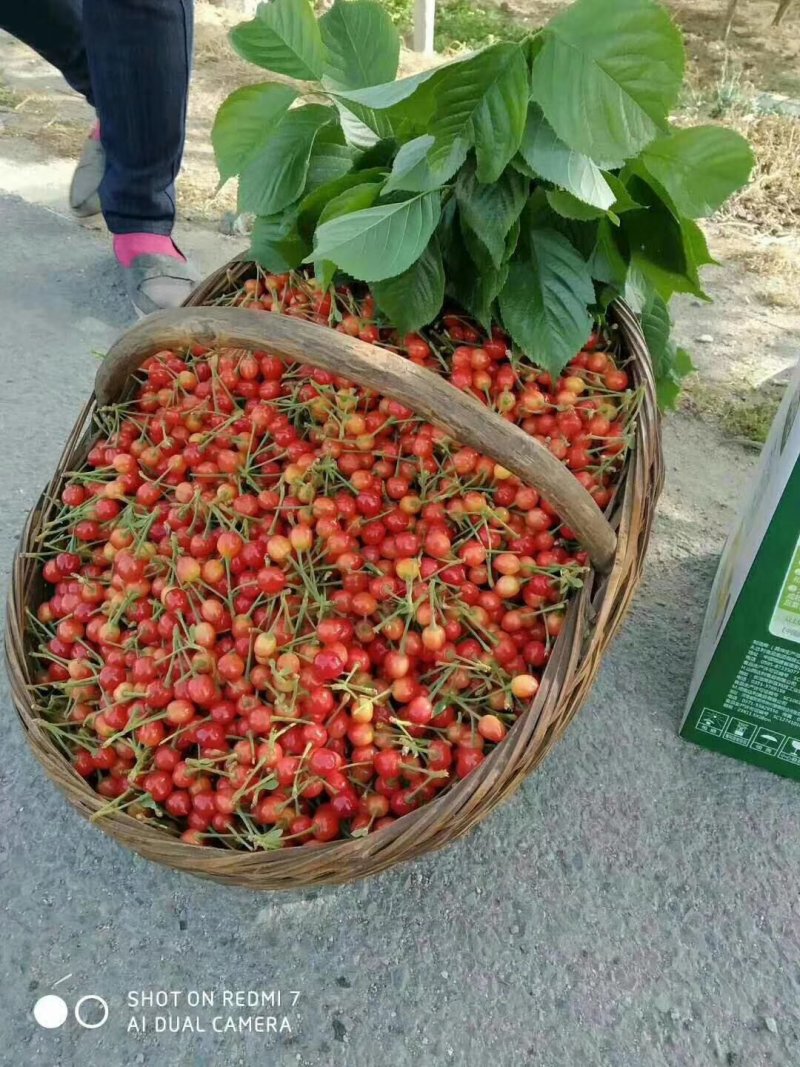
pixel 744 699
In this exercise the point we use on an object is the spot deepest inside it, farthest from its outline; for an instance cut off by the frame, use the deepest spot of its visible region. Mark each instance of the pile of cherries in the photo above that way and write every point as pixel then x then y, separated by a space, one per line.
pixel 284 610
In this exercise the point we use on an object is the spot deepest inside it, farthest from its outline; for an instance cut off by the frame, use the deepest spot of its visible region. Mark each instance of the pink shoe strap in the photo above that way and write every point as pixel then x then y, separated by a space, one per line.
pixel 129 246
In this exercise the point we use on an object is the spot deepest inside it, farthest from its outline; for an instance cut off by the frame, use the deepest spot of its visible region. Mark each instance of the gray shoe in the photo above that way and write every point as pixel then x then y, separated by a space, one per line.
pixel 157 282
pixel 83 196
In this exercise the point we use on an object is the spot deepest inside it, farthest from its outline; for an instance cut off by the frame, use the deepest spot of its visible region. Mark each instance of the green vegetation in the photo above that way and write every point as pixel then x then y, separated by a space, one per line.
pixel 490 181
pixel 8 98
pixel 745 414
pixel 461 23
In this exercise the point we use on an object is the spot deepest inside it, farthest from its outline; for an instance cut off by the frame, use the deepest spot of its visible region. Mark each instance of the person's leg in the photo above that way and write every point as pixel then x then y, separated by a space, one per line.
pixel 139 57
pixel 131 59
pixel 53 28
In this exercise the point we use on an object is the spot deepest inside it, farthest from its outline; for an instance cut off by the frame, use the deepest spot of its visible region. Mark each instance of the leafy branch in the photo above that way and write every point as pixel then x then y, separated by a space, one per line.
pixel 532 182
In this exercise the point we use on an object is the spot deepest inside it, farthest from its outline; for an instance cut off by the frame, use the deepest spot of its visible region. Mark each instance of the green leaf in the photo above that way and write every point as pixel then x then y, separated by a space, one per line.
pixel 694 241
pixel 356 132
pixel 531 46
pixel 636 291
pixel 481 100
pixel 379 154
pixel 270 839
pixel 362 46
pixel 607 263
pixel 313 204
pixel 245 122
pixel 668 390
pixel 662 248
pixel 328 162
pixel 409 158
pixel 544 301
pixel 414 298
pixel 683 362
pixel 477 292
pixel 275 176
pixel 500 120
pixel 522 167
pixel 650 192
pixel 491 210
pixel 412 171
pixel 656 326
pixel 548 157
pixel 402 106
pixel 634 174
pixel 283 37
pixel 667 280
pixel 700 167
pixel 276 243
pixel 324 272
pixel 475 248
pixel 389 95
pixel 512 238
pixel 381 241
pixel 607 74
pixel 357 198
pixel 449 232
pixel 669 382
pixel 678 233
pixel 454 102
pixel 537 213
pixel 670 363
pixel 581 234
pixel 623 201
pixel 571 207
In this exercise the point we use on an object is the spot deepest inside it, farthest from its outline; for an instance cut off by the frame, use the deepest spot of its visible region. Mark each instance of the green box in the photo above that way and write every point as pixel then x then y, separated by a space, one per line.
pixel 744 699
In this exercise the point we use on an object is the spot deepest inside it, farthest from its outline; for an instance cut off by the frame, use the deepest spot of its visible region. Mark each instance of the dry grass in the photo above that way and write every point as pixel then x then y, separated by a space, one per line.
pixel 760 54
pixel 215 62
pixel 770 122
pixel 199 199
pixel 777 275
pixel 744 413
pixel 62 139
pixel 772 199
pixel 8 98
pixel 36 118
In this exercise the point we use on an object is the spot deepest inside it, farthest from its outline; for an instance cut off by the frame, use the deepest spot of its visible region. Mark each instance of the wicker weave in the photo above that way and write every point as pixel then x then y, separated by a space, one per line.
pixel 593 618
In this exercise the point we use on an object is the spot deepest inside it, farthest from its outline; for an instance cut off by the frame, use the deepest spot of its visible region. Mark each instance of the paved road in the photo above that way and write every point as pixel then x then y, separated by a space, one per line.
pixel 635 905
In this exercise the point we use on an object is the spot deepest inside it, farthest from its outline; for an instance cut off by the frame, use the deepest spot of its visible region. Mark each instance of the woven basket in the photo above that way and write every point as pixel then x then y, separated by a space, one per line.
pixel 616 544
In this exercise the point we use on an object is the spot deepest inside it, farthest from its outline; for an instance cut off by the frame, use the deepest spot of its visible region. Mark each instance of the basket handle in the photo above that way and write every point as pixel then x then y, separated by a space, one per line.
pixel 385 372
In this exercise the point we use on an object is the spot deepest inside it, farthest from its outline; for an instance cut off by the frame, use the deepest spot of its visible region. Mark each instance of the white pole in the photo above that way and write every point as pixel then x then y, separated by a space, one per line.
pixel 424 16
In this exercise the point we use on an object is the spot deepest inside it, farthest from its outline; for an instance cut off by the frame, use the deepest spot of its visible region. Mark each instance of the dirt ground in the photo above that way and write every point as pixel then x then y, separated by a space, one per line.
pixel 742 344
pixel 768 57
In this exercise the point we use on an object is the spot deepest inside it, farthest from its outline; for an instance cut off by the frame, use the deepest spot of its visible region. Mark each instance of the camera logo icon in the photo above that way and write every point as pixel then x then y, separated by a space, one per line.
pixel 52 1011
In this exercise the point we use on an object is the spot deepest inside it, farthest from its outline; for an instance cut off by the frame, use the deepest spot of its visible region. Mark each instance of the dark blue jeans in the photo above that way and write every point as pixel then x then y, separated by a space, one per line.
pixel 131 60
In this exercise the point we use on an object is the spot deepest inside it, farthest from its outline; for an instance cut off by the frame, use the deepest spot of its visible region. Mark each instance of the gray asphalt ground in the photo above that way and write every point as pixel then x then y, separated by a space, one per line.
pixel 635 905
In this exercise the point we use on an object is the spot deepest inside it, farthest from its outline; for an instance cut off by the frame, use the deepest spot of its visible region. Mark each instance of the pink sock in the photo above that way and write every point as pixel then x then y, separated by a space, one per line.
pixel 127 246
